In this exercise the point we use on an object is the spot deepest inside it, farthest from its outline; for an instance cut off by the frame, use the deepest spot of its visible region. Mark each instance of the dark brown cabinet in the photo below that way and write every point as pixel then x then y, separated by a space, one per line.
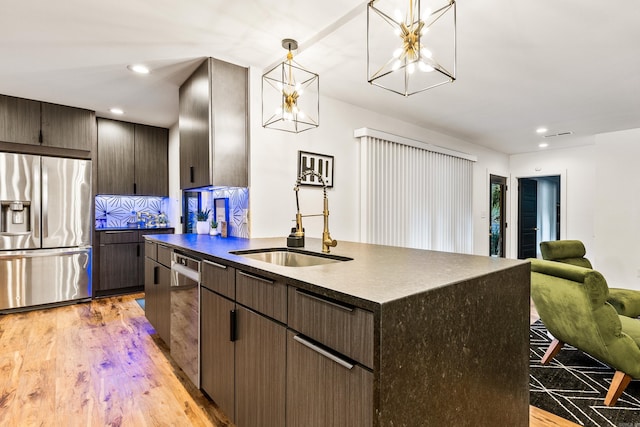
pixel 243 352
pixel 260 370
pixel 217 350
pixel 157 281
pixel 19 120
pixel 324 388
pixel 132 159
pixel 213 114
pixel 25 121
pixel 120 260
pixel 120 252
pixel 67 127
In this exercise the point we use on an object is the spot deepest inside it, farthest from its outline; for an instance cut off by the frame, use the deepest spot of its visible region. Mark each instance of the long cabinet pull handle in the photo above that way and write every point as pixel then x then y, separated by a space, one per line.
pixel 323 352
pixel 118 232
pixel 138 249
pixel 251 276
pixel 215 264
pixel 156 271
pixel 232 325
pixel 324 300
pixel 191 174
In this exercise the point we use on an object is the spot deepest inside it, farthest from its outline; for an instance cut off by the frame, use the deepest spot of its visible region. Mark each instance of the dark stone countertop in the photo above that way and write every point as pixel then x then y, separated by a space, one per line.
pixel 376 275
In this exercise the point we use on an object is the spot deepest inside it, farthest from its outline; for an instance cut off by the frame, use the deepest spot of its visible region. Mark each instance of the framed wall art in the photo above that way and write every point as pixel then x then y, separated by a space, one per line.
pixel 322 164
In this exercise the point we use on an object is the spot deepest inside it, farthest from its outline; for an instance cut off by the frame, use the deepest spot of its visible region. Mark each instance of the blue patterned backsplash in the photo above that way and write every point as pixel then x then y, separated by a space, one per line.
pixel 238 205
pixel 119 211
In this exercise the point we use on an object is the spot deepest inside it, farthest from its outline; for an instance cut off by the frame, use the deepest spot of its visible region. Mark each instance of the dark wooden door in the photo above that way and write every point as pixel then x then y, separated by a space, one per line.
pixel 19 120
pixel 151 286
pixel 195 126
pixel 323 392
pixel 528 218
pixel 217 349
pixel 119 266
pixel 67 127
pixel 260 370
pixel 151 160
pixel 115 157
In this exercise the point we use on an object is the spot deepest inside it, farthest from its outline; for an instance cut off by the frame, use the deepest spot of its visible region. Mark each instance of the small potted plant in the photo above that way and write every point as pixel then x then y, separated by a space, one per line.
pixel 202 224
pixel 214 228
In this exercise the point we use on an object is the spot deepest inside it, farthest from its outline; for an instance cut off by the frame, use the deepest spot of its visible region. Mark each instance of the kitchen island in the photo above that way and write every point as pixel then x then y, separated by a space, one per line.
pixel 427 338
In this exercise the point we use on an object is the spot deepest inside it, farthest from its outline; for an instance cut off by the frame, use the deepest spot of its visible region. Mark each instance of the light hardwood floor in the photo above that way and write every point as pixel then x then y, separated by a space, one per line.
pixel 101 364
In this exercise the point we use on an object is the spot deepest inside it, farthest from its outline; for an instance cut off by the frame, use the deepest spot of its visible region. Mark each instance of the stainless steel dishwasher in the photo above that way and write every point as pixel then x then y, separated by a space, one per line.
pixel 185 315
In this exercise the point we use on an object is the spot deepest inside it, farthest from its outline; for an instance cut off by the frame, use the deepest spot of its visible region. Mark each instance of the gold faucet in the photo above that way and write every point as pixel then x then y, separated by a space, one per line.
pixel 296 238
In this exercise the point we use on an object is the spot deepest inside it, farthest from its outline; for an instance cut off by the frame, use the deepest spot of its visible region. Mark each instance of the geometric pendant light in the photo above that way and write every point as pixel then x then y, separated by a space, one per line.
pixel 411 44
pixel 290 95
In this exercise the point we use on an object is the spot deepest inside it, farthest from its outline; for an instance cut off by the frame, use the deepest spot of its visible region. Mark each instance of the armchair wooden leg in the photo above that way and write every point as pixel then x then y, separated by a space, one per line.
pixel 618 384
pixel 554 348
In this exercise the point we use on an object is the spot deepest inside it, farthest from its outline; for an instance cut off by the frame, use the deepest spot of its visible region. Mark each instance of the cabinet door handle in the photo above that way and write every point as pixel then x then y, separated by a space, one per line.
pixel 323 352
pixel 118 232
pixel 232 325
pixel 215 264
pixel 191 174
pixel 135 188
pixel 251 276
pixel 156 273
pixel 138 249
pixel 324 300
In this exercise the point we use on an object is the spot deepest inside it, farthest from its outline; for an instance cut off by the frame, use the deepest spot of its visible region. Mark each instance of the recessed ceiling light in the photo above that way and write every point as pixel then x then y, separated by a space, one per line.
pixel 117 111
pixel 543 145
pixel 139 68
pixel 541 130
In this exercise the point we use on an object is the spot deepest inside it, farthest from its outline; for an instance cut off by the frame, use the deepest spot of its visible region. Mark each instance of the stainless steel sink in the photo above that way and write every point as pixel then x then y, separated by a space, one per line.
pixel 290 257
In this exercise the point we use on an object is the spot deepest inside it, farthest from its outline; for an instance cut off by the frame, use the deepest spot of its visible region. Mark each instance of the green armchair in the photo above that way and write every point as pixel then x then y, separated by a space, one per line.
pixel 625 301
pixel 572 304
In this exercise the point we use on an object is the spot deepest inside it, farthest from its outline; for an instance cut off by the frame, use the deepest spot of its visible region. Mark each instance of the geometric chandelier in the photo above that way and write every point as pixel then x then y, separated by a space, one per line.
pixel 411 44
pixel 290 95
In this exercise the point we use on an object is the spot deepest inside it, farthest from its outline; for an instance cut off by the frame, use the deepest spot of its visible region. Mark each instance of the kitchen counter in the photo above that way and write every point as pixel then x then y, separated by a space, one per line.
pixel 377 274
pixel 450 331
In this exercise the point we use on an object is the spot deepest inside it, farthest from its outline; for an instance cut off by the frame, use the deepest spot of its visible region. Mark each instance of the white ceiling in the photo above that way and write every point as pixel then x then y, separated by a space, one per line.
pixel 571 65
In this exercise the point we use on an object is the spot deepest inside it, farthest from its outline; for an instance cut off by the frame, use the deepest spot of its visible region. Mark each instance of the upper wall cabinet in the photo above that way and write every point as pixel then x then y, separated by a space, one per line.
pixel 24 121
pixel 132 159
pixel 213 126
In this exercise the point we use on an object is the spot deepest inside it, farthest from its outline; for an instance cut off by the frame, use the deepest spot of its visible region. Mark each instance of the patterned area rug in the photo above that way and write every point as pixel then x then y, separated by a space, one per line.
pixel 574 385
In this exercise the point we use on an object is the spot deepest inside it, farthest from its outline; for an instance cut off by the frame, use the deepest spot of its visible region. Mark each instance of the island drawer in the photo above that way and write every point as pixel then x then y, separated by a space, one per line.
pixel 163 255
pixel 219 278
pixel 151 250
pixel 342 327
pixel 262 294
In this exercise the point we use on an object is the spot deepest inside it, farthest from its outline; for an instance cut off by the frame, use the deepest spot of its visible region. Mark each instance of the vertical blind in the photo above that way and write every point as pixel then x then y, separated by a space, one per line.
pixel 414 197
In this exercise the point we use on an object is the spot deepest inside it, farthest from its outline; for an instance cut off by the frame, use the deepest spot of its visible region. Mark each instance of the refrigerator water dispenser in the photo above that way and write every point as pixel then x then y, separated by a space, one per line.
pixel 15 217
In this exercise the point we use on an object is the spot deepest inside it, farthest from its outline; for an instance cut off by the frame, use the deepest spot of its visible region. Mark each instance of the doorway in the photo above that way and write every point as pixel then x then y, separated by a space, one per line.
pixel 497 219
pixel 538 213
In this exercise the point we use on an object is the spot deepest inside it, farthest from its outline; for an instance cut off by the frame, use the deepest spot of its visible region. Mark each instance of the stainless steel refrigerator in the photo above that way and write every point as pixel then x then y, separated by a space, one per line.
pixel 45 230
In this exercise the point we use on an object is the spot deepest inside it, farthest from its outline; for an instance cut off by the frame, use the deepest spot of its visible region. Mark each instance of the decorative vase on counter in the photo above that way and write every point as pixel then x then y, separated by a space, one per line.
pixel 202 221
pixel 202 227
pixel 214 229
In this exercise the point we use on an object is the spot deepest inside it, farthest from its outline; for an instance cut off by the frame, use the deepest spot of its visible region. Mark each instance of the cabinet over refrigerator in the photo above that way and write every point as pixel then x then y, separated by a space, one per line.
pixel 45 230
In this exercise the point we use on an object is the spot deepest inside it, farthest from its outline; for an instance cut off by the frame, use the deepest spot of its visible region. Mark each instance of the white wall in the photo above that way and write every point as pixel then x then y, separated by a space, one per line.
pixel 273 167
pixel 576 166
pixel 175 194
pixel 617 208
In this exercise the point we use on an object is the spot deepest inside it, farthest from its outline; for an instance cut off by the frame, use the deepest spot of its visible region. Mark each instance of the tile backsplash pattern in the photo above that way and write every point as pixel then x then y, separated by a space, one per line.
pixel 117 211
pixel 238 205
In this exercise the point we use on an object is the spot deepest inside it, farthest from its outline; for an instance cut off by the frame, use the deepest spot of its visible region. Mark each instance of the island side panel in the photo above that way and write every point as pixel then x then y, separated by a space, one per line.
pixel 457 355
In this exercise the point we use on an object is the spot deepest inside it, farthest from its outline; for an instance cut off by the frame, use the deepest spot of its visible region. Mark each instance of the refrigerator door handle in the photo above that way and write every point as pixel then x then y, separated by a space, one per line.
pixel 45 201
